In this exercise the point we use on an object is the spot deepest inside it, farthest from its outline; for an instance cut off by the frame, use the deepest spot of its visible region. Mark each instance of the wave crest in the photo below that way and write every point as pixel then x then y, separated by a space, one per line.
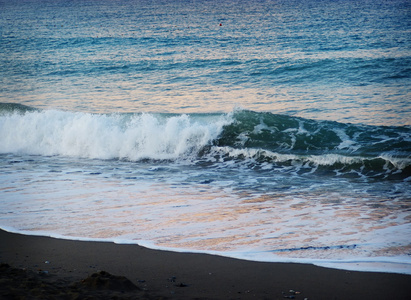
pixel 132 137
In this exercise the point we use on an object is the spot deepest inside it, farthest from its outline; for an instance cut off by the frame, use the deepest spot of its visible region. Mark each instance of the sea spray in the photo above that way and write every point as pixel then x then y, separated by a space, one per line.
pixel 115 136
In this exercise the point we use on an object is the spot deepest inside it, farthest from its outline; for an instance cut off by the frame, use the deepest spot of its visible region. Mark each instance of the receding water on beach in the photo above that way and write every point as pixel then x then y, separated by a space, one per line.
pixel 270 131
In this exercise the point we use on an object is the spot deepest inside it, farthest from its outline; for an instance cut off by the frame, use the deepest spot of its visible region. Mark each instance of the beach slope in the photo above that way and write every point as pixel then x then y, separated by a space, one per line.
pixel 43 267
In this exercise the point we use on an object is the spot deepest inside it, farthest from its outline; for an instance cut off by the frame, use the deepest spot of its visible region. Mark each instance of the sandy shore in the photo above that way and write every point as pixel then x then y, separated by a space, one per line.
pixel 42 267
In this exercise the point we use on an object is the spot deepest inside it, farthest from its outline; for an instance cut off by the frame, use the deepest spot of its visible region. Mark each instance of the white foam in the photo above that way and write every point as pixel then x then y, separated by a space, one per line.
pixel 86 135
pixel 398 264
pixel 316 160
pixel 157 216
pixel 346 142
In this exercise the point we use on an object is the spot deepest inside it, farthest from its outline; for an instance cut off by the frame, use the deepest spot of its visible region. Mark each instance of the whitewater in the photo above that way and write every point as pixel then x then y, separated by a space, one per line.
pixel 269 131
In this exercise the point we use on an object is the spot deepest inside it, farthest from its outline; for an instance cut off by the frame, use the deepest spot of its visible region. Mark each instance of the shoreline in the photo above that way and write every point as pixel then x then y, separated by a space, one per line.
pixel 68 266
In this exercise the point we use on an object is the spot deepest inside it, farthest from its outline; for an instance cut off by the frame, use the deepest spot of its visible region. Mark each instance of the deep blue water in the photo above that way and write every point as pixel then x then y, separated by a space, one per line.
pixel 336 60
pixel 265 130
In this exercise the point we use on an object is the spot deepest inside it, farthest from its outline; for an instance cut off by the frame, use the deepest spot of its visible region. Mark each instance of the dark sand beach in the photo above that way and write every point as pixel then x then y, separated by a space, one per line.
pixel 48 268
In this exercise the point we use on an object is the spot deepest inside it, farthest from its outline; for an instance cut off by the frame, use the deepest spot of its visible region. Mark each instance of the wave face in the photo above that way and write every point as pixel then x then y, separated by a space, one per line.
pixel 255 140
pixel 300 145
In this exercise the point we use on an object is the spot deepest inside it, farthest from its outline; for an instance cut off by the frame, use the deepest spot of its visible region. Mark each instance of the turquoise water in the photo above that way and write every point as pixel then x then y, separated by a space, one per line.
pixel 275 130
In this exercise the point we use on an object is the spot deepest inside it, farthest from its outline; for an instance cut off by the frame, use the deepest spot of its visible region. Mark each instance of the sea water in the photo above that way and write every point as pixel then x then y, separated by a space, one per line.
pixel 262 130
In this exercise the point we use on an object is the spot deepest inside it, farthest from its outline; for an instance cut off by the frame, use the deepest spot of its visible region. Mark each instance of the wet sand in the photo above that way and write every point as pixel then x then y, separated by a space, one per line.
pixel 41 267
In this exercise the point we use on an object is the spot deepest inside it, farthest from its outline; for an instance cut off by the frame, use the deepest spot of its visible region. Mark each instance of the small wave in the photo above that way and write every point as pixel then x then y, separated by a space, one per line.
pixel 15 107
pixel 382 167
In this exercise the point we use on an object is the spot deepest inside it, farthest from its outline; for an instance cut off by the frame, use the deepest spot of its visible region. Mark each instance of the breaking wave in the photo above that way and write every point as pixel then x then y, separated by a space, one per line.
pixel 256 140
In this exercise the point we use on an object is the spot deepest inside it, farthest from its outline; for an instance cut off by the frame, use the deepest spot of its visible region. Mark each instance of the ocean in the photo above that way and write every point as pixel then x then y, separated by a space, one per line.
pixel 274 131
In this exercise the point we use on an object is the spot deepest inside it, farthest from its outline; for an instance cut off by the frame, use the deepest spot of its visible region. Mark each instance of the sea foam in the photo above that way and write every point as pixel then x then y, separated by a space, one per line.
pixel 132 137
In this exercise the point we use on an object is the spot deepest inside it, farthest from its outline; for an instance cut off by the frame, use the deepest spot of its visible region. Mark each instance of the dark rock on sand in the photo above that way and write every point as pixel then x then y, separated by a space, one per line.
pixel 26 284
pixel 104 280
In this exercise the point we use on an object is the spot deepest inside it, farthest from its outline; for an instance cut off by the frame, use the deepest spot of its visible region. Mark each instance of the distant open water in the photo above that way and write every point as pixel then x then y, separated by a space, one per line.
pixel 274 131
